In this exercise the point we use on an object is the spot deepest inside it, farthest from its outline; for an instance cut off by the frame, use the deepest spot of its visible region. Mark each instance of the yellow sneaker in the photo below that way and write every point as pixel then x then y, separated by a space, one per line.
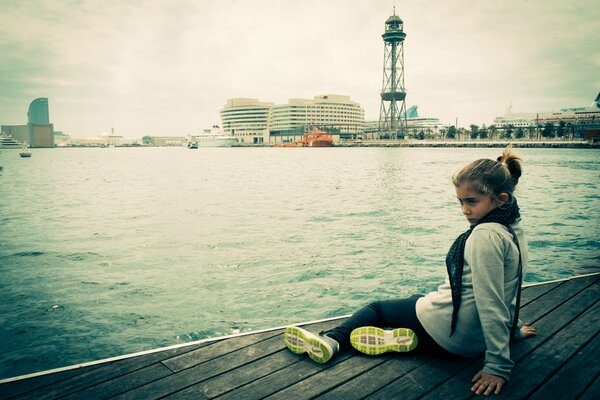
pixel 372 340
pixel 319 348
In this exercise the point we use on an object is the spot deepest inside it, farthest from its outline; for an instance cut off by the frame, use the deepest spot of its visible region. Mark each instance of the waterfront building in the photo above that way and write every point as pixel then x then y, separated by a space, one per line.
pixel 335 114
pixel 253 121
pixel 38 111
pixel 38 132
pixel 580 118
pixel 246 119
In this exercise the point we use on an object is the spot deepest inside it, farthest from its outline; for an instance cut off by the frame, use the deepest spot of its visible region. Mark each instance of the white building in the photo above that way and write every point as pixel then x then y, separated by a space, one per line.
pixel 332 113
pixel 253 121
pixel 246 119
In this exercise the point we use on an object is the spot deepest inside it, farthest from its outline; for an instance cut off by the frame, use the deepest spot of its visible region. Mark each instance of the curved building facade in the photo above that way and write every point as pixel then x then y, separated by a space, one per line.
pixel 332 113
pixel 38 111
pixel 246 119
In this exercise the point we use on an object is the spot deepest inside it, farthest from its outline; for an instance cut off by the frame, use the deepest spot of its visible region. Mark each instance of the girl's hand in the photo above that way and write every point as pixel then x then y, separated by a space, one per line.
pixel 487 383
pixel 527 331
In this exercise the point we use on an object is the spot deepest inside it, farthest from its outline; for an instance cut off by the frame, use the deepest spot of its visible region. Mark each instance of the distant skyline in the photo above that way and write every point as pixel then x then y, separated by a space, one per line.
pixel 167 67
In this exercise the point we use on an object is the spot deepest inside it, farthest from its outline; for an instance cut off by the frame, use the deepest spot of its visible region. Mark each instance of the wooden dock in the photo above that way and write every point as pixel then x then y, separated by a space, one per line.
pixel 563 362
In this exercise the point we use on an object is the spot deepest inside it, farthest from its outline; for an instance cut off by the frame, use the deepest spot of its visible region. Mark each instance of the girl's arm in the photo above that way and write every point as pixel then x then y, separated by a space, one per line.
pixel 485 254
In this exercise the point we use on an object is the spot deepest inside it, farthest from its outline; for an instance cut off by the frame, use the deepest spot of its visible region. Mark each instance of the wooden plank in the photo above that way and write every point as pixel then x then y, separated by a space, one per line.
pixel 459 386
pixel 531 293
pixel 217 349
pixel 374 379
pixel 22 386
pixel 592 392
pixel 201 372
pixel 420 381
pixel 283 378
pixel 537 367
pixel 190 393
pixel 545 304
pixel 328 378
pixel 577 374
pixel 247 373
pixel 122 384
pixel 102 374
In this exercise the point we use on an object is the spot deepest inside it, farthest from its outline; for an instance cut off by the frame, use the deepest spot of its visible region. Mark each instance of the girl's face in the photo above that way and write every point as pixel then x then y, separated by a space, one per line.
pixel 473 204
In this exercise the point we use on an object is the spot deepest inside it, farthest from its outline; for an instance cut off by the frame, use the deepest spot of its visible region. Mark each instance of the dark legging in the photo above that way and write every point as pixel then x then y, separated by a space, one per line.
pixel 400 313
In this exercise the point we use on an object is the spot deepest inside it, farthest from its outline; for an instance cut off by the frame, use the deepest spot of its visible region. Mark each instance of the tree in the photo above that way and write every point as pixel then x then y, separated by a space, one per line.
pixel 508 131
pixel 548 130
pixel 520 133
pixel 560 132
pixel 493 130
pixel 452 132
pixel 474 131
pixel 570 130
pixel 483 132
pixel 421 135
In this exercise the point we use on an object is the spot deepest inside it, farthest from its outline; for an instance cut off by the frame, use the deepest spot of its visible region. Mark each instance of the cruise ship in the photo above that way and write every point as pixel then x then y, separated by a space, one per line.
pixel 212 137
pixel 568 115
pixel 7 142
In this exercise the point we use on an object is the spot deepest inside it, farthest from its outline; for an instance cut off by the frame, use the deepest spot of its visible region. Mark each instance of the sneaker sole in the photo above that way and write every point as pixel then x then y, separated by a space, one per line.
pixel 301 341
pixel 373 341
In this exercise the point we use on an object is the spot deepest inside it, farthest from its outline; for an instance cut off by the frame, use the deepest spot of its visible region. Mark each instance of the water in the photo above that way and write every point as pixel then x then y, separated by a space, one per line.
pixel 106 252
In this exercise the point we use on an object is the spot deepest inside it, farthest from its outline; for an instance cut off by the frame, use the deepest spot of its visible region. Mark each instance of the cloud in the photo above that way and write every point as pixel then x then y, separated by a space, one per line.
pixel 158 66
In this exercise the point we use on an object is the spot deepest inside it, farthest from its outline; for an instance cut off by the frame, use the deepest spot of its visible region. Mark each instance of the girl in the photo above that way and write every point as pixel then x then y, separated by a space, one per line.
pixel 475 310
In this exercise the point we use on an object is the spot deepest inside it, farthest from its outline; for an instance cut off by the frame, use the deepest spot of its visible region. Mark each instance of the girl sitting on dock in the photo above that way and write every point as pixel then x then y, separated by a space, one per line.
pixel 475 310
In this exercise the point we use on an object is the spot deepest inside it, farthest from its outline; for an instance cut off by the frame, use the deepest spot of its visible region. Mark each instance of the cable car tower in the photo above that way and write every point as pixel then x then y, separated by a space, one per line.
pixel 392 116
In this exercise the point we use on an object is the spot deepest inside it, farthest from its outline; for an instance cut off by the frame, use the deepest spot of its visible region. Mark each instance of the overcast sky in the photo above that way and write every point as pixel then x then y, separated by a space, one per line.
pixel 167 67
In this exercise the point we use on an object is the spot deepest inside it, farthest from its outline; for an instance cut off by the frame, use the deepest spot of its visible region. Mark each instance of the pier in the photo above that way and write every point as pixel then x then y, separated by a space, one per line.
pixel 562 362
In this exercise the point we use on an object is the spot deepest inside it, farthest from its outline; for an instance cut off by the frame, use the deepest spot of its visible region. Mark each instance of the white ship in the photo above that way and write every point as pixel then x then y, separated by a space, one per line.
pixel 568 115
pixel 7 142
pixel 212 137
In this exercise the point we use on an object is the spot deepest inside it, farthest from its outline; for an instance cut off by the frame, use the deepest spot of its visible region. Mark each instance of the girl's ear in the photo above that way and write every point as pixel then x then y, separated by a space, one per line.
pixel 503 197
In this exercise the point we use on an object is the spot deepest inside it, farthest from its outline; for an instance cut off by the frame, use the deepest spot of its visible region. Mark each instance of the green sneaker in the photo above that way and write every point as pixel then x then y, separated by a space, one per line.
pixel 319 348
pixel 372 340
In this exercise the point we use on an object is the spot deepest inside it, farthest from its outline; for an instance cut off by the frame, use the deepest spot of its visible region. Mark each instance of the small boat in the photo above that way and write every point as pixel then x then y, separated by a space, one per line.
pixel 25 152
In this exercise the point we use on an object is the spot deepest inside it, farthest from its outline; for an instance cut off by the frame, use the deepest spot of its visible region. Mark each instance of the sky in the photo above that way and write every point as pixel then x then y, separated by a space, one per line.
pixel 154 67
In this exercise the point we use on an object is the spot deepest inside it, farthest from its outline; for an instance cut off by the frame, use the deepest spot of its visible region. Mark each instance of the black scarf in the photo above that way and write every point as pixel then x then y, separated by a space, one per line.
pixel 506 215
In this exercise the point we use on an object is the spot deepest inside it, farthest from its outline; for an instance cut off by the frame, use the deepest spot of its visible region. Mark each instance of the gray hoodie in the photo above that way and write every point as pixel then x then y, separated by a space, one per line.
pixel 489 289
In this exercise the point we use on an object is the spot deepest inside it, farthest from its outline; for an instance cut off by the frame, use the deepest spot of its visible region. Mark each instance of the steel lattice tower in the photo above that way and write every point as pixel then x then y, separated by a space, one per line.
pixel 392 119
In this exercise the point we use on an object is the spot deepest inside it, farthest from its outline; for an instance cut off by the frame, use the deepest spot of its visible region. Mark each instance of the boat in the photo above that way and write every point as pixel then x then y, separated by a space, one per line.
pixel 25 152
pixel 213 137
pixel 7 142
pixel 317 138
pixel 314 138
pixel 572 115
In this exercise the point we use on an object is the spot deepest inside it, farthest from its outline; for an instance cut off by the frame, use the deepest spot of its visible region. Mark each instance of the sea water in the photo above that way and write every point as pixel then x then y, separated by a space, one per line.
pixel 105 252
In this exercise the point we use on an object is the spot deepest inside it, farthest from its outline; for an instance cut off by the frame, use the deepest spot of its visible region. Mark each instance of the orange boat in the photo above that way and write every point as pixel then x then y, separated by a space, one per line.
pixel 317 138
pixel 314 138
